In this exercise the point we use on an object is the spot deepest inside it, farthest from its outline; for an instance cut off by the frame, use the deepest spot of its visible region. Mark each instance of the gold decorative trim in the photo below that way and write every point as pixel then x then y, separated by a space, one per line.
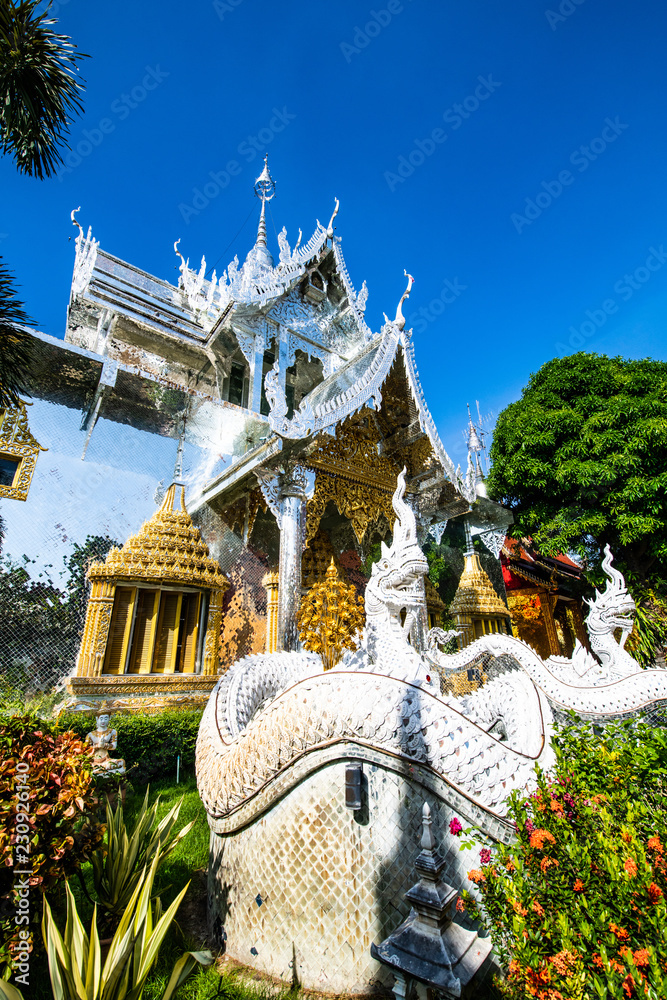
pixel 18 444
pixel 353 454
pixel 476 608
pixel 166 549
pixel 361 504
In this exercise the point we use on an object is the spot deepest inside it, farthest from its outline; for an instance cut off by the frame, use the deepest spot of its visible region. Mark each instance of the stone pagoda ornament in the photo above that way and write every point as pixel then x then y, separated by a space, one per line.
pixel 429 950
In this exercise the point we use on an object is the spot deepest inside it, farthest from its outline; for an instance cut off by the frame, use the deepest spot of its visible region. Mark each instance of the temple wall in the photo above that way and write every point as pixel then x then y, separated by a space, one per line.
pixel 313 882
pixel 91 502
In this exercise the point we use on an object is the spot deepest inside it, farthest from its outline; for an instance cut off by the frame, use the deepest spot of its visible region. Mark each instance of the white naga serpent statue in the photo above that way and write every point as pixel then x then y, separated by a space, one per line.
pixel 271 714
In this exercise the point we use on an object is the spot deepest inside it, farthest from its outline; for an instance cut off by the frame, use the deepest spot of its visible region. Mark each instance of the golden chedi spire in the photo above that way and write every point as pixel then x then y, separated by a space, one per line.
pixel 476 595
pixel 476 608
pixel 166 549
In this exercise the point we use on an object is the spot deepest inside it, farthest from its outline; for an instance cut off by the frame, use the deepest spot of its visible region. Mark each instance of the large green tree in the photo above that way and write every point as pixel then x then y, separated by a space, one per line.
pixel 581 460
pixel 39 95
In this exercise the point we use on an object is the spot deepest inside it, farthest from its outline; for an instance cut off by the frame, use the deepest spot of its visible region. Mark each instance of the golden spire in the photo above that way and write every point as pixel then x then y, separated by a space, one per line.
pixel 166 549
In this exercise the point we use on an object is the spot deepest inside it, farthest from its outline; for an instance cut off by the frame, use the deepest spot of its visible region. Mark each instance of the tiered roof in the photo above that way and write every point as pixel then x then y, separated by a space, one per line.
pixel 167 549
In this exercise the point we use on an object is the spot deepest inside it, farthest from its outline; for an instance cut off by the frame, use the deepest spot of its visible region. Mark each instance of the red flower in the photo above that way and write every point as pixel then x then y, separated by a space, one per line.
pixel 578 885
pixel 455 826
pixel 539 837
pixel 654 892
pixel 631 867
pixel 485 856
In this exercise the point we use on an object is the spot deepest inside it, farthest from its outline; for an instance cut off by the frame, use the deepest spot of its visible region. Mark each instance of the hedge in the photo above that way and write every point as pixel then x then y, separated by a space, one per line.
pixel 151 742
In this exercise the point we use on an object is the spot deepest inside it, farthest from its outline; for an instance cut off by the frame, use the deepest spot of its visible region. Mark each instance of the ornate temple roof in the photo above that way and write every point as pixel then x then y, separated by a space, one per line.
pixel 476 596
pixel 167 549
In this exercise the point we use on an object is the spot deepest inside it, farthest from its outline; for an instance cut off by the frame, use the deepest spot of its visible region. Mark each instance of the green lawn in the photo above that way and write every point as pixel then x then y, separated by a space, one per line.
pixel 187 864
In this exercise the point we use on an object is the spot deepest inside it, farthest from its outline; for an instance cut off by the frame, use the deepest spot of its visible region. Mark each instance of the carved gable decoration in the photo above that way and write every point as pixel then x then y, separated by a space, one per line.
pixel 351 474
pixel 18 453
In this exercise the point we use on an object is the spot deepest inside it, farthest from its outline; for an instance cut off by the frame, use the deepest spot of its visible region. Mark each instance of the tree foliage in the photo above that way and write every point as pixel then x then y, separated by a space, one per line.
pixel 581 460
pixel 14 342
pixel 39 87
pixel 576 904
pixel 41 625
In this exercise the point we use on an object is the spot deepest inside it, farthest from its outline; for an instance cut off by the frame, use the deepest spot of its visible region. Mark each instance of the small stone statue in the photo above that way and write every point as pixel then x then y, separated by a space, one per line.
pixel 104 740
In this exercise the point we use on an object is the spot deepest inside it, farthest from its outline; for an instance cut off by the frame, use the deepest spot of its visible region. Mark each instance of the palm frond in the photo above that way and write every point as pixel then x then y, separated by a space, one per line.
pixel 39 87
pixel 15 352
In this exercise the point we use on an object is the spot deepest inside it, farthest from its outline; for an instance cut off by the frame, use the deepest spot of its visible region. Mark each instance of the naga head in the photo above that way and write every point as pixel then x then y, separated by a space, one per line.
pixel 614 608
pixel 398 576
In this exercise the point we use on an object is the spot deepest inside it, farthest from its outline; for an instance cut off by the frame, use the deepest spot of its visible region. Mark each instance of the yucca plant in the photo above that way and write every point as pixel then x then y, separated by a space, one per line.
pixel 75 960
pixel 117 868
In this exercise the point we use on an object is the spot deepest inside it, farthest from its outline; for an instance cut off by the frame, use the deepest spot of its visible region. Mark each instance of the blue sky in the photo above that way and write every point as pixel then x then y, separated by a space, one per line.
pixel 510 156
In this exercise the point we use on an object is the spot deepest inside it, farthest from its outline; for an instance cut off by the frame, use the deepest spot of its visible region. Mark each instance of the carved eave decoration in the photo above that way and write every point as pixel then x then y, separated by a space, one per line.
pixel 18 445
pixel 168 549
pixel 243 512
pixel 351 474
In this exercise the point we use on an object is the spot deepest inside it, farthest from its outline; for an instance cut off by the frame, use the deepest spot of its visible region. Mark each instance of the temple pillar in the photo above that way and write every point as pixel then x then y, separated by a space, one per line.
pixel 578 622
pixel 212 640
pixel 548 602
pixel 293 512
pixel 96 629
pixel 256 376
pixel 296 484
pixel 270 582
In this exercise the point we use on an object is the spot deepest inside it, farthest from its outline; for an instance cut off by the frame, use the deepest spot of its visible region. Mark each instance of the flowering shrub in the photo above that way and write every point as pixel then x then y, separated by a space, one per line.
pixel 58 825
pixel 576 907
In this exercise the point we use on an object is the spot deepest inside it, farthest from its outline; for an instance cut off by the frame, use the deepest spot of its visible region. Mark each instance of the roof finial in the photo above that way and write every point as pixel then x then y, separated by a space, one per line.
pixel 265 189
pixel 400 318
pixel 75 221
pixel 330 231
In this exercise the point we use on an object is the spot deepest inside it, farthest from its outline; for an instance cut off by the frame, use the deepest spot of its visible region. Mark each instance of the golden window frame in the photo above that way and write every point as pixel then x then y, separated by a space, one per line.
pixel 18 444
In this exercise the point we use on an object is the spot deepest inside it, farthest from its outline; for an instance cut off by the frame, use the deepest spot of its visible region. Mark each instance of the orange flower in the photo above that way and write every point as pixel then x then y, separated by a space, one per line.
pixel 578 885
pixel 626 836
pixel 539 837
pixel 655 845
pixel 518 908
pixel 557 808
pixel 631 867
pixel 539 910
pixel 547 863
pixel 510 866
pixel 619 932
pixel 597 960
pixel 641 957
pixel 476 876
pixel 654 892
pixel 460 905
pixel 563 962
pixel 628 985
